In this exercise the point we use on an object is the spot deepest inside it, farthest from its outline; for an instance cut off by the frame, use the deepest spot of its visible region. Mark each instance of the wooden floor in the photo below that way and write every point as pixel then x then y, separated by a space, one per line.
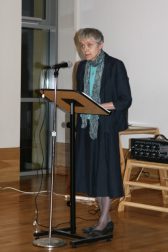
pixel 135 230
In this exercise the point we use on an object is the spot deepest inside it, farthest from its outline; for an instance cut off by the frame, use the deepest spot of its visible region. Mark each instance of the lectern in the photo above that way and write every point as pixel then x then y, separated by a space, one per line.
pixel 75 102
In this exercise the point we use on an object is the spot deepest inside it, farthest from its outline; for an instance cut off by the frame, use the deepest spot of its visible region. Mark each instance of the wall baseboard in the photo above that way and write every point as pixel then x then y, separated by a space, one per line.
pixel 9 164
pixel 62 158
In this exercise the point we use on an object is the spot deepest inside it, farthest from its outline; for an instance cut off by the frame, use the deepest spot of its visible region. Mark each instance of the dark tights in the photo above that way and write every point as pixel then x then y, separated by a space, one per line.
pixel 104 205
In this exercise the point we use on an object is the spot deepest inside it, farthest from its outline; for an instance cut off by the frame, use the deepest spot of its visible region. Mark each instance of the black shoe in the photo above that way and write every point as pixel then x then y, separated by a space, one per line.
pixel 107 230
pixel 88 230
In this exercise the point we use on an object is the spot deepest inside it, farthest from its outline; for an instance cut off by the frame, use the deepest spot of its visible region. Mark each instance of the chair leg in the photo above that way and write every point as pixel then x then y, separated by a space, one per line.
pixel 164 182
pixel 127 193
pixel 121 205
pixel 127 178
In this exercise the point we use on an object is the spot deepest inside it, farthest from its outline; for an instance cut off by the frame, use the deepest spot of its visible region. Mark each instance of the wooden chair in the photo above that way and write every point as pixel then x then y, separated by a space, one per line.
pixel 129 184
pixel 162 185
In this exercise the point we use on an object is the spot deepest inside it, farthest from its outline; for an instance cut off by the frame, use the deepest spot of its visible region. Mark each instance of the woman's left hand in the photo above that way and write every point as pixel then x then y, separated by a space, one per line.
pixel 108 105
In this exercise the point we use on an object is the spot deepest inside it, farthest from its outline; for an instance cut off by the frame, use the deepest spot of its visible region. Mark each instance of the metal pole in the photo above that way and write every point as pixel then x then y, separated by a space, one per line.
pixel 72 169
pixel 50 242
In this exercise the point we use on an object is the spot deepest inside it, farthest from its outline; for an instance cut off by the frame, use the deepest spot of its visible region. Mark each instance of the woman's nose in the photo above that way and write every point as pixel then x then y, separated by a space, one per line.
pixel 85 49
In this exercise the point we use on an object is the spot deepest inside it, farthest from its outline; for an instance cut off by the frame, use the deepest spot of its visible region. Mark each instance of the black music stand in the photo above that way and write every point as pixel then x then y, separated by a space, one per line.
pixel 74 102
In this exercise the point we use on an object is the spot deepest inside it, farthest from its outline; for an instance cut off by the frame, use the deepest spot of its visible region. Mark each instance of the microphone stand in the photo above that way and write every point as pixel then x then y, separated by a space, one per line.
pixel 51 242
pixel 70 231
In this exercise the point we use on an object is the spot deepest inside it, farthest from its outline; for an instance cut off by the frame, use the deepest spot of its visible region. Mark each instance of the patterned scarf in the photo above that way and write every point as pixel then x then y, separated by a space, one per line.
pixel 93 119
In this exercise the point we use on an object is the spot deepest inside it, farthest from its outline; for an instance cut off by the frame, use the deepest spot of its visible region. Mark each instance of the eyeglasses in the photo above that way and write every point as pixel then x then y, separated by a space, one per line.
pixel 88 45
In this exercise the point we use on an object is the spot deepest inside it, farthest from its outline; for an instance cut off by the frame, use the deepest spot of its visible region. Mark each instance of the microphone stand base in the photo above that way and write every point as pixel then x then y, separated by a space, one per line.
pixel 76 239
pixel 49 242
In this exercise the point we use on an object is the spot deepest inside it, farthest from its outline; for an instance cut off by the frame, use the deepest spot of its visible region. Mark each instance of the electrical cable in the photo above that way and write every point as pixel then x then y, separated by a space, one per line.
pixel 36 220
pixel 17 190
pixel 93 211
pixel 31 193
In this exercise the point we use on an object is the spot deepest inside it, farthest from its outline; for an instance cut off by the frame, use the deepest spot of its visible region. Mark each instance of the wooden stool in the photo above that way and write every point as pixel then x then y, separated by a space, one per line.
pixel 162 186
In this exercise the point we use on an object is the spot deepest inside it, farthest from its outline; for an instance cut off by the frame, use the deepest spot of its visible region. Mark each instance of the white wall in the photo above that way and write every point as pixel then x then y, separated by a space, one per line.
pixel 136 32
pixel 10 47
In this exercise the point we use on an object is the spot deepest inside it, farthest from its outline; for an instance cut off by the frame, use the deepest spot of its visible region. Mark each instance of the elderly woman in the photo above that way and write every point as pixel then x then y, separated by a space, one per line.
pixel 105 79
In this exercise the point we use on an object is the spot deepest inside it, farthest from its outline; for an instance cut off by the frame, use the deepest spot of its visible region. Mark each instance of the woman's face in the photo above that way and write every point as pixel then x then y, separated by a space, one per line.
pixel 90 48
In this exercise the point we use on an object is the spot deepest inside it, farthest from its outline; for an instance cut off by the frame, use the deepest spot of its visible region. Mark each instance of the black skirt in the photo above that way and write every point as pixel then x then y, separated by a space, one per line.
pixel 97 164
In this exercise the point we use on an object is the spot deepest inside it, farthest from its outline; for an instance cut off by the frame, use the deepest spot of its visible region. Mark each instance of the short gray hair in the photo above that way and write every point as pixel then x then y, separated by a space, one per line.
pixel 86 33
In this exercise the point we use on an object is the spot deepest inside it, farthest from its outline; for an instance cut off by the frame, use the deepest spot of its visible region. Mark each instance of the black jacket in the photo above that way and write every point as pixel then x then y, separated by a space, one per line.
pixel 114 88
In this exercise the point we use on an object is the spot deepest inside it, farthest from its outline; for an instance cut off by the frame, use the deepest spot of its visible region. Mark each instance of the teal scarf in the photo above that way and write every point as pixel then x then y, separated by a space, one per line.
pixel 93 119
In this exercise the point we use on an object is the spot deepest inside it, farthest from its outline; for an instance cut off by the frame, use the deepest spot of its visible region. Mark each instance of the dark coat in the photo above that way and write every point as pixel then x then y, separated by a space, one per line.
pixel 114 87
pixel 98 171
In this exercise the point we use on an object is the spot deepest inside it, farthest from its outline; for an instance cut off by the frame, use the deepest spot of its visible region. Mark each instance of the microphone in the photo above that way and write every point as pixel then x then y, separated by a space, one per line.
pixel 67 64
